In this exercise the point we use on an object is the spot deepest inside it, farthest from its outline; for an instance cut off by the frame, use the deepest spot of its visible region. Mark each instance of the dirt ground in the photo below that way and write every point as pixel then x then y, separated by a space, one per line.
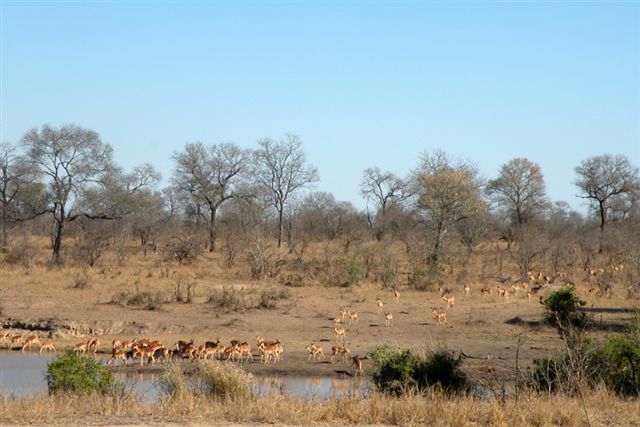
pixel 485 328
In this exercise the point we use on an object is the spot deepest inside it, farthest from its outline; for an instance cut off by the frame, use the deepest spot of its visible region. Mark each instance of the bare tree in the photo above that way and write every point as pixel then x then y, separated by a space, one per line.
pixel 387 191
pixel 449 192
pixel 73 160
pixel 282 169
pixel 17 184
pixel 606 181
pixel 519 190
pixel 209 176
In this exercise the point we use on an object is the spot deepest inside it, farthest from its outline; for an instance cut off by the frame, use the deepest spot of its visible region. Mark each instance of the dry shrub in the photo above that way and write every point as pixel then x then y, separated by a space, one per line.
pixel 184 291
pixel 184 250
pixel 22 254
pixel 81 281
pixel 230 298
pixel 269 297
pixel 143 300
pixel 432 408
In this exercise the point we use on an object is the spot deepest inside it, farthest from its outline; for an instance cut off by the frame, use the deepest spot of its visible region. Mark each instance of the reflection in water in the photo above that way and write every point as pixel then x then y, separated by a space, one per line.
pixel 22 374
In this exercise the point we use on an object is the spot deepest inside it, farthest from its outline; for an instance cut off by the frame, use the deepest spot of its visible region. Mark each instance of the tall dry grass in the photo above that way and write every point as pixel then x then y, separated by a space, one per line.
pixel 432 409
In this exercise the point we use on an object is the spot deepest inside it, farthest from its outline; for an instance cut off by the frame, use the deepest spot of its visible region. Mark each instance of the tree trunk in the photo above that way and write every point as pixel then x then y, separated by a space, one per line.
pixel 280 225
pixel 57 241
pixel 437 244
pixel 5 235
pixel 212 231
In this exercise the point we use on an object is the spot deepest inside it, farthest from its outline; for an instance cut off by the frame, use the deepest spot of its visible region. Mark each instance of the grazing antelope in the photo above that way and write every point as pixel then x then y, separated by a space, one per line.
pixel 388 319
pixel 467 290
pixel 450 300
pixel 5 338
pixel 485 291
pixel 118 355
pixel 80 348
pixel 357 362
pixel 591 291
pixel 380 305
pixel 29 341
pixel 396 294
pixel 440 315
pixel 47 345
pixel 15 339
pixel 342 349
pixel 340 333
pixel 353 316
pixel 93 344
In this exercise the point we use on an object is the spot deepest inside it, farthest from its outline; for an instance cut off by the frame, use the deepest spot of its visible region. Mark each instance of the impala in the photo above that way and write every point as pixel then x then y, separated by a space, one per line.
pixel 15 339
pixel 529 296
pixel 380 305
pixel 267 352
pixel 388 319
pixel 344 350
pixel 467 290
pixel 591 291
pixel 29 341
pixel 314 351
pixel 5 338
pixel 244 348
pixel 118 355
pixel 93 344
pixel 440 315
pixel 357 362
pixel 115 344
pixel 47 345
pixel 396 294
pixel 353 316
pixel 80 348
pixel 340 333
pixel 485 291
pixel 449 299
pixel 343 313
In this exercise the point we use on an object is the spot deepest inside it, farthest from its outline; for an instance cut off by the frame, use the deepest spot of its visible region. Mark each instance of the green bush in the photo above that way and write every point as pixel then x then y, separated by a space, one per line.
pixel 400 371
pixel 74 374
pixel 354 272
pixel 618 363
pixel 547 375
pixel 562 308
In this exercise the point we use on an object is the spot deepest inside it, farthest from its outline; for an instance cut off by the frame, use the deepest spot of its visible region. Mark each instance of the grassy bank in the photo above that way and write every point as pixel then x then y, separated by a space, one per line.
pixel 433 409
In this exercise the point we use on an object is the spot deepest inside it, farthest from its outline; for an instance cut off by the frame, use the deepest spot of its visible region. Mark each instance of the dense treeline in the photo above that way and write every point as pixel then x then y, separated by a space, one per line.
pixel 63 181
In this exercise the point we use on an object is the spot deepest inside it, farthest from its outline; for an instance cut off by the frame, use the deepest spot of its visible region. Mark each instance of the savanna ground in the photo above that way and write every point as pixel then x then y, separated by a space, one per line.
pixel 139 297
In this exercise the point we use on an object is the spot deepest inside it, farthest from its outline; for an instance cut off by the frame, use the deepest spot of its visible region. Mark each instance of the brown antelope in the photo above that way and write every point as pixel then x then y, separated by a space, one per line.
pixel 440 315
pixel 29 341
pixel 353 316
pixel 93 344
pixel 127 345
pixel 261 340
pixel 47 345
pixel 388 319
pixel 115 344
pixel 337 321
pixel 561 274
pixel 118 355
pixel 343 313
pixel 314 351
pixel 80 348
pixel 529 296
pixel 380 305
pixel 485 291
pixel 15 339
pixel 269 352
pixel 449 299
pixel 341 333
pixel 142 352
pixel 467 290
pixel 342 349
pixel 591 291
pixel 5 338
pixel 502 292
pixel 396 294
pixel 242 349
pixel 357 362
pixel 160 352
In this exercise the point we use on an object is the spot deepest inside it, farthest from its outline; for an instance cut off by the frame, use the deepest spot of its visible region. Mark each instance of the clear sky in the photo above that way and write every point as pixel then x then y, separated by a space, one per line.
pixel 362 83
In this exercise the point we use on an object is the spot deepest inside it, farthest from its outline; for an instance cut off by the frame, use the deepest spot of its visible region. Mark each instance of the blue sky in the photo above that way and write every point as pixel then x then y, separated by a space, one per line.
pixel 362 83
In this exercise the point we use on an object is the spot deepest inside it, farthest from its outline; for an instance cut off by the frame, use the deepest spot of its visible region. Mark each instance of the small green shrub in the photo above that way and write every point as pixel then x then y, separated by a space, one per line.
pixel 399 371
pixel 618 360
pixel 547 375
pixel 388 278
pixel 351 272
pixel 74 374
pixel 562 308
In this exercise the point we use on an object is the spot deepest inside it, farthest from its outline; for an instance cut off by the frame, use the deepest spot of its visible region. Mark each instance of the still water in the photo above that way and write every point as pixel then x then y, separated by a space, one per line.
pixel 25 373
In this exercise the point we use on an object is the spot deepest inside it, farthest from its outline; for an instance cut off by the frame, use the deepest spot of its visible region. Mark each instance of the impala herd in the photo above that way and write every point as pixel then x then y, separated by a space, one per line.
pixel 152 351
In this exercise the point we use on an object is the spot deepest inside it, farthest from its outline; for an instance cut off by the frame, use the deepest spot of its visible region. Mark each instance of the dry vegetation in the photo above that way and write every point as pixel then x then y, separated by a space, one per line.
pixel 432 409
